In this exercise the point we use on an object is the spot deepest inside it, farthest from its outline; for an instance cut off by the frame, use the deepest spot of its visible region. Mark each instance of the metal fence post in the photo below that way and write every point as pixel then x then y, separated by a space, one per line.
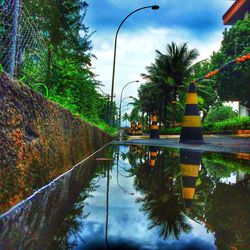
pixel 14 38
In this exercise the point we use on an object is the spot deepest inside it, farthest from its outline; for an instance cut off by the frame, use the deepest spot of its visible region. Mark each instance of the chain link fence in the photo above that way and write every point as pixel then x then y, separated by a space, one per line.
pixel 22 45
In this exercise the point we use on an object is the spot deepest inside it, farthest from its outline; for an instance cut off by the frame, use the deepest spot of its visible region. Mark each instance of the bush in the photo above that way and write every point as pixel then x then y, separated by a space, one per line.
pixel 237 123
pixel 233 124
pixel 220 114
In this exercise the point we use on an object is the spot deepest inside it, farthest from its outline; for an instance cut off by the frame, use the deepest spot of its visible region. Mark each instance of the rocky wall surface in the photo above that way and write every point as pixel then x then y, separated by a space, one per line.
pixel 34 223
pixel 39 140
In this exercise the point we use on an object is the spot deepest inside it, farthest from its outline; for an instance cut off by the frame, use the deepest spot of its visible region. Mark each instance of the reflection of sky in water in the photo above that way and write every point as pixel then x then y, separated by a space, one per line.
pixel 127 224
pixel 229 180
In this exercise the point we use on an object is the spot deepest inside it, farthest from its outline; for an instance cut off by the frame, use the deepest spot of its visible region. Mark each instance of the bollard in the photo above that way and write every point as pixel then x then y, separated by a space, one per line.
pixel 133 126
pixel 136 129
pixel 153 151
pixel 139 126
pixel 154 132
pixel 191 131
pixel 131 130
pixel 189 164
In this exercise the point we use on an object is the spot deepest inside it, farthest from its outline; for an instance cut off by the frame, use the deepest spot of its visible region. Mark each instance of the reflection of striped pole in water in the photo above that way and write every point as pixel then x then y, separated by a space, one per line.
pixel 191 131
pixel 153 154
pixel 154 132
pixel 189 164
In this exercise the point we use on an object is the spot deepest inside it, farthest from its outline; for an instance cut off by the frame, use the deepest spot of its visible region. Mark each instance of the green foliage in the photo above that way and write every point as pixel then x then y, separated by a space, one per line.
pixel 34 69
pixel 61 71
pixel 220 114
pixel 233 124
pixel 170 131
pixel 233 84
pixel 222 165
pixel 165 83
pixel 206 90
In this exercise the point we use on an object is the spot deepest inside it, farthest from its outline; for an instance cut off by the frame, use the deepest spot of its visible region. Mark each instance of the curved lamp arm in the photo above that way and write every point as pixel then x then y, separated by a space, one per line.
pixel 153 7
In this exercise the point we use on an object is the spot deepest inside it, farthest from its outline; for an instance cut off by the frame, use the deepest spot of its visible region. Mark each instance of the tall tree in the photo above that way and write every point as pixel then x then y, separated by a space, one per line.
pixel 169 73
pixel 233 84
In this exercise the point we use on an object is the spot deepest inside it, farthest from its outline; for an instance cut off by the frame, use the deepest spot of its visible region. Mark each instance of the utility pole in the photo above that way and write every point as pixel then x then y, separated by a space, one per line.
pixel 14 38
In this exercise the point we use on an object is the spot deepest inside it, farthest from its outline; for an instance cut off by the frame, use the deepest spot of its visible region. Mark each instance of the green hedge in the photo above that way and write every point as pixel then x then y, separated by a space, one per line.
pixel 231 124
pixel 170 131
pixel 227 125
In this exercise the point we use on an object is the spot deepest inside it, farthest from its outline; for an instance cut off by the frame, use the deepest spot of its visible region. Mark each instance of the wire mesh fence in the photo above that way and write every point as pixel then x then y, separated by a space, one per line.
pixel 22 45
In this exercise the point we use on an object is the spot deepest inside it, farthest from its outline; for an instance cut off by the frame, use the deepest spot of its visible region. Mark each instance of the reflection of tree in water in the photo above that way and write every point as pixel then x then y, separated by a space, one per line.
pixel 161 200
pixel 222 165
pixel 73 222
pixel 223 208
pixel 136 155
pixel 165 212
pixel 228 211
pixel 70 226
pixel 227 206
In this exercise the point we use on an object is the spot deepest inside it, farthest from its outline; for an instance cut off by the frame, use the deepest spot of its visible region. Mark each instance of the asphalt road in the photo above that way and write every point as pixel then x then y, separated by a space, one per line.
pixel 215 143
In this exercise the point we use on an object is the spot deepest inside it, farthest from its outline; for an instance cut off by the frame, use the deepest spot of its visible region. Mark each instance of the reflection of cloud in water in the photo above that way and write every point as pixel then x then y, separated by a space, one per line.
pixel 200 231
pixel 128 225
pixel 96 240
pixel 230 180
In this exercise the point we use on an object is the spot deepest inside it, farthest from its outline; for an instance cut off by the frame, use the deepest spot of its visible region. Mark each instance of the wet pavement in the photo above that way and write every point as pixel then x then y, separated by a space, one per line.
pixel 137 197
pixel 214 143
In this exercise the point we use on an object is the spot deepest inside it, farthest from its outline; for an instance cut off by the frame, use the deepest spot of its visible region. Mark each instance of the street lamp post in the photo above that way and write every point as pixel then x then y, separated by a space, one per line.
pixel 153 7
pixel 120 108
pixel 121 100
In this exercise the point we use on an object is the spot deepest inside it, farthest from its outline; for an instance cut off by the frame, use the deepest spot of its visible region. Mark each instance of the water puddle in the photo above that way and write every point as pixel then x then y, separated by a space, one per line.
pixel 138 197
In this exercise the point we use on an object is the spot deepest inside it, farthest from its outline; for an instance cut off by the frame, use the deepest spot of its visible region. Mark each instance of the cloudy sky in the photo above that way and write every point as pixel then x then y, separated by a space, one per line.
pixel 197 22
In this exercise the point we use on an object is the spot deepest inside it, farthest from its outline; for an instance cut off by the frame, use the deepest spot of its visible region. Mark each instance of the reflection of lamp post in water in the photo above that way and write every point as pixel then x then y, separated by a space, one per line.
pixel 107 197
pixel 117 179
pixel 153 7
pixel 107 208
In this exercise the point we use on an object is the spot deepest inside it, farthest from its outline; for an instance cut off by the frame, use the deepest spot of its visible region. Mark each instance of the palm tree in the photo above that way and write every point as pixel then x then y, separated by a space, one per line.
pixel 135 113
pixel 177 63
pixel 170 70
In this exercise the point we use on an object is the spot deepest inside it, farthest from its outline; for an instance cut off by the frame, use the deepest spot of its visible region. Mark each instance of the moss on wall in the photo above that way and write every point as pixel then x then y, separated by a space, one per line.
pixel 39 140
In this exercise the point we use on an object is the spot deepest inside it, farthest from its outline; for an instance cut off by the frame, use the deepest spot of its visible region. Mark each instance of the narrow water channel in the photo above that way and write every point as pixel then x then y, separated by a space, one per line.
pixel 137 197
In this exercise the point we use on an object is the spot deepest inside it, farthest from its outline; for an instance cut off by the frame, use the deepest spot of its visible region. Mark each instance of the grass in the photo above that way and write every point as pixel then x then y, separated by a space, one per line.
pixel 63 102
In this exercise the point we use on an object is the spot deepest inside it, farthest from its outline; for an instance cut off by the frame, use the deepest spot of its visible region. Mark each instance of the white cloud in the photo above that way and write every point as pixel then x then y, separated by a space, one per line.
pixel 136 50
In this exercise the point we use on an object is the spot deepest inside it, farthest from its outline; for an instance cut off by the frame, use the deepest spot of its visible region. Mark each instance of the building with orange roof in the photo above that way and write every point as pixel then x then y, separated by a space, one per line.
pixel 238 11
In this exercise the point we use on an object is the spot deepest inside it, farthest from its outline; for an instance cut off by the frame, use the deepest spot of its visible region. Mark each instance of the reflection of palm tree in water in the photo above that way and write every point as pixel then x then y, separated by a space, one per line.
pixel 161 203
pixel 164 211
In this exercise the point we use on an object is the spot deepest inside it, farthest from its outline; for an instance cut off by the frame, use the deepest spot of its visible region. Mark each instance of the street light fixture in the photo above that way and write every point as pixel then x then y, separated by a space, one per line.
pixel 153 7
pixel 121 99
pixel 120 108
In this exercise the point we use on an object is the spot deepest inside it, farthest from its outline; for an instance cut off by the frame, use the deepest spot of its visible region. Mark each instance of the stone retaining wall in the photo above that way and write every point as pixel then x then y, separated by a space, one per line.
pixel 37 137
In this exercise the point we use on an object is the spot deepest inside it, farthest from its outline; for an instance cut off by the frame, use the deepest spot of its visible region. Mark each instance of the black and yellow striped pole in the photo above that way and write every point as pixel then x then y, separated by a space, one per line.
pixel 189 164
pixel 153 151
pixel 191 131
pixel 154 132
